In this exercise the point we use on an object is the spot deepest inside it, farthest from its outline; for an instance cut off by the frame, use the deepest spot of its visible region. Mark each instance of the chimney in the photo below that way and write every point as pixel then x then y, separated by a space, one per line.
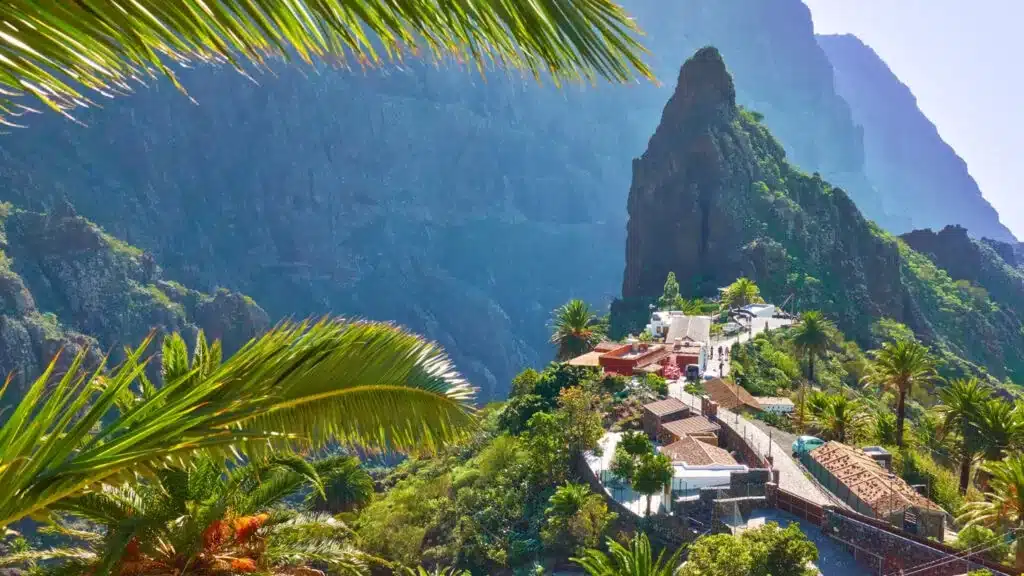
pixel 708 408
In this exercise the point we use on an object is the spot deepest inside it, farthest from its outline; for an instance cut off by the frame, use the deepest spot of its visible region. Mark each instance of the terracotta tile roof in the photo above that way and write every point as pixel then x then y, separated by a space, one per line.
pixel 588 359
pixel 666 406
pixel 691 451
pixel 606 346
pixel 872 484
pixel 729 395
pixel 691 425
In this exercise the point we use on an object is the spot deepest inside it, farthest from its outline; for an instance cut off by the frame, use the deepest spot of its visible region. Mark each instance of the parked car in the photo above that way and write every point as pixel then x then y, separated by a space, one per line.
pixel 692 372
pixel 805 444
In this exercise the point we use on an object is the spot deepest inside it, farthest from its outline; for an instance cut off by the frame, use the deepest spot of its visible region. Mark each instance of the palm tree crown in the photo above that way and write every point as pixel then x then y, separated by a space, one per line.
pixel 637 560
pixel 576 329
pixel 740 293
pixel 813 336
pixel 961 403
pixel 1003 508
pixel 841 417
pixel 54 49
pixel 202 520
pixel 899 366
pixel 298 386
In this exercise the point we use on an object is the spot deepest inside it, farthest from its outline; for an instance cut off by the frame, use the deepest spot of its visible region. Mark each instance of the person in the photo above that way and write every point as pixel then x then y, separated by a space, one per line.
pixel 721 365
pixel 719 351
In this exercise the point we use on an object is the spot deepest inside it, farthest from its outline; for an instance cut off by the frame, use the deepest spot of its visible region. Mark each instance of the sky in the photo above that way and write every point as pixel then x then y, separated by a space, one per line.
pixel 963 61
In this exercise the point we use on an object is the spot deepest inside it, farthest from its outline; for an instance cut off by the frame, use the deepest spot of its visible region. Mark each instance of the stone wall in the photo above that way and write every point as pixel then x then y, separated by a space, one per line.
pixel 879 547
pixel 733 441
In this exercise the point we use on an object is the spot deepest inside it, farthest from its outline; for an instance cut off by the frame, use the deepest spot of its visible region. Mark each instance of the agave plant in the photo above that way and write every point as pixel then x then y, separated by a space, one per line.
pixel 299 386
pixel 202 520
pixel 54 49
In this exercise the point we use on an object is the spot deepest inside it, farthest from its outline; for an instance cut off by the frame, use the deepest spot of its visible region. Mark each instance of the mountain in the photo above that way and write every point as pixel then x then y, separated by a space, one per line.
pixel 466 209
pixel 923 177
pixel 66 285
pixel 714 198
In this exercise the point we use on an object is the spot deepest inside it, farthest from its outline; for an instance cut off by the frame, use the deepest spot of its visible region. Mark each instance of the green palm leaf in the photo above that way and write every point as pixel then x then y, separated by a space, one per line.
pixel 297 387
pixel 62 52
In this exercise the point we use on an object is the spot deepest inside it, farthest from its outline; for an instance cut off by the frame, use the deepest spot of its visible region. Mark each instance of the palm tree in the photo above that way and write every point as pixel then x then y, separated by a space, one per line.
pixel 637 560
pixel 740 293
pixel 59 52
pixel 299 386
pixel 812 337
pixel 568 499
pixel 1000 426
pixel 899 366
pixel 841 417
pixel 960 405
pixel 202 520
pixel 347 486
pixel 1003 507
pixel 576 329
pixel 439 571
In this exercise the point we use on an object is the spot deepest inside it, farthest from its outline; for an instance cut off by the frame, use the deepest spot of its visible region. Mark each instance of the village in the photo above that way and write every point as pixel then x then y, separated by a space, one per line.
pixel 732 472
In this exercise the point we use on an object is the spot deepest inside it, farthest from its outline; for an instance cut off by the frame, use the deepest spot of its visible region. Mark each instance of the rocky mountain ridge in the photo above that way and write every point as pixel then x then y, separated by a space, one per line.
pixel 464 208
pixel 714 198
pixel 905 155
pixel 66 285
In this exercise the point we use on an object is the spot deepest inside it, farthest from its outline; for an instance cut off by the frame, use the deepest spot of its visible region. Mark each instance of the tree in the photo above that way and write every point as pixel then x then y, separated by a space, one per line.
pixel 208 520
pixel 841 417
pixel 1003 507
pixel 58 48
pixel 719 555
pixel 1000 427
pixel 580 418
pixel 637 560
pixel 575 519
pixel 347 486
pixel 900 366
pixel 960 406
pixel 812 337
pixel 652 473
pixel 525 382
pixel 576 329
pixel 636 443
pixel 670 298
pixel 766 551
pixel 975 537
pixel 299 386
pixel 740 293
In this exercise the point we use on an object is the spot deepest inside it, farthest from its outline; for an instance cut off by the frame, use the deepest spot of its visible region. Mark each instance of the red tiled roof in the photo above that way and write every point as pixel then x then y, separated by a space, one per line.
pixel 883 492
pixel 691 451
pixel 729 395
pixel 666 406
pixel 691 425
pixel 588 359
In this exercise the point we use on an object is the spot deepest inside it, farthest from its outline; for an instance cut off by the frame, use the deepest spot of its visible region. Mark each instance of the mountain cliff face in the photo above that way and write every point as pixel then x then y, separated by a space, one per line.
pixel 67 285
pixel 462 208
pixel 714 198
pixel 923 178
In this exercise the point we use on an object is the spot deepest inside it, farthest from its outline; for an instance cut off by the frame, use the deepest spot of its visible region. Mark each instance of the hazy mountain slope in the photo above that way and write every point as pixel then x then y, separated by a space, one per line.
pixel 922 177
pixel 714 198
pixel 66 284
pixel 465 209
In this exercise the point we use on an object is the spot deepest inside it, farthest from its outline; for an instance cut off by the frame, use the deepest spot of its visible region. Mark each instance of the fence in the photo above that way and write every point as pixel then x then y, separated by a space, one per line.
pixel 799 507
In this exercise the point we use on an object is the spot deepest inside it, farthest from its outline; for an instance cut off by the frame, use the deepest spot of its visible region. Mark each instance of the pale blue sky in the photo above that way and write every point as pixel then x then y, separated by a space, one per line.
pixel 963 60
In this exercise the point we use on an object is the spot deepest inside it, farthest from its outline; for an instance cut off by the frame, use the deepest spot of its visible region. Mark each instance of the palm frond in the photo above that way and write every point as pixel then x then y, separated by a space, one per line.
pixel 80 555
pixel 59 52
pixel 300 385
pixel 314 538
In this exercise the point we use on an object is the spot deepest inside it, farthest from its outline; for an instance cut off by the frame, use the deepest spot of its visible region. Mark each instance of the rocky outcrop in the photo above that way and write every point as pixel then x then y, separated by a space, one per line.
pixel 922 178
pixel 465 209
pixel 66 285
pixel 713 198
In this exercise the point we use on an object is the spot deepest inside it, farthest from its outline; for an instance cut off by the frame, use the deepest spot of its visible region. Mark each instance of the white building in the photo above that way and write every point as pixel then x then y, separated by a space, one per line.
pixel 759 310
pixel 777 405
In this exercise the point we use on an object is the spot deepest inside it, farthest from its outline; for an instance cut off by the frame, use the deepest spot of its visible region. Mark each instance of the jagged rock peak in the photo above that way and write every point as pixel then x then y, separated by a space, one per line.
pixel 705 89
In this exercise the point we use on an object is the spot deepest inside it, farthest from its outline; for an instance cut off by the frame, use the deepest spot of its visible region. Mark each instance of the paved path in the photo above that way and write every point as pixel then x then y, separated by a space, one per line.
pixel 791 475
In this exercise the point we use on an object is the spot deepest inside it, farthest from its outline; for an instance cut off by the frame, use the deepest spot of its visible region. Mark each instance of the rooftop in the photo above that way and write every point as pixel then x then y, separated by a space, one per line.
pixel 695 328
pixel 730 395
pixel 665 407
pixel 588 359
pixel 883 492
pixel 696 453
pixel 691 425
